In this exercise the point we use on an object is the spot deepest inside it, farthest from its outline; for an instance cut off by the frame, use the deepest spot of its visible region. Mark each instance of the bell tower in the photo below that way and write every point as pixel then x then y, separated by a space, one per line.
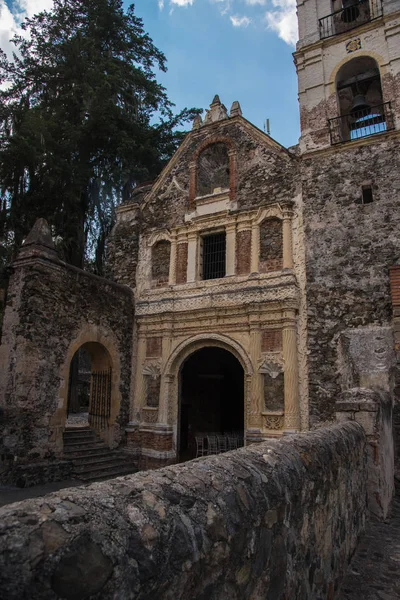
pixel 348 67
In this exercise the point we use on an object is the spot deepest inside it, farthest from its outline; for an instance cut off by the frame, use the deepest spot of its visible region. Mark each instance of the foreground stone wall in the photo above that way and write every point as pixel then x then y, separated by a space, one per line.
pixel 276 520
pixel 52 308
pixel 349 249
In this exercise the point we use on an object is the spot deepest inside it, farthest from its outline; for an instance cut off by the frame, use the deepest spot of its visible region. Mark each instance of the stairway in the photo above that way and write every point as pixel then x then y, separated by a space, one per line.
pixel 92 459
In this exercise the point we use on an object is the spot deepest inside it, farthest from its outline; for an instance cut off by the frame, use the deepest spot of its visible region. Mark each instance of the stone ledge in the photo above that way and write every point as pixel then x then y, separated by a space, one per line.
pixel 227 526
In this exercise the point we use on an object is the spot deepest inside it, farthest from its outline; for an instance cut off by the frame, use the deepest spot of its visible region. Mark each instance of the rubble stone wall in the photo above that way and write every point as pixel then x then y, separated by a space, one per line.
pixel 49 305
pixel 276 520
pixel 349 249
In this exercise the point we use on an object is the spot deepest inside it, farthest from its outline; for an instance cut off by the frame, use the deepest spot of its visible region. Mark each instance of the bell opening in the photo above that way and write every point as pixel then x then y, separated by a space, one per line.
pixel 350 11
pixel 360 107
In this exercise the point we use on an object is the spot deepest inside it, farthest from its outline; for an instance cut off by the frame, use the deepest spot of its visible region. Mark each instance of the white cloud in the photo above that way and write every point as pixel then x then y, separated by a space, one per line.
pixel 161 4
pixel 283 20
pixel 253 2
pixel 240 21
pixel 32 7
pixel 182 2
pixel 224 5
pixel 10 20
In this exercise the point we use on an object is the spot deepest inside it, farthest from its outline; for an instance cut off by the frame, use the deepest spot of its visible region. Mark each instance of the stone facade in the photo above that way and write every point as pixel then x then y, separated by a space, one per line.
pixel 256 210
pixel 52 310
pixel 279 259
pixel 276 520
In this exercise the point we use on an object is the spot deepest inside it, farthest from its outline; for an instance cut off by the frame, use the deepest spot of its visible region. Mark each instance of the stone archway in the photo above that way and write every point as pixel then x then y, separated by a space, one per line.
pixel 102 349
pixel 211 401
pixel 98 375
pixel 171 381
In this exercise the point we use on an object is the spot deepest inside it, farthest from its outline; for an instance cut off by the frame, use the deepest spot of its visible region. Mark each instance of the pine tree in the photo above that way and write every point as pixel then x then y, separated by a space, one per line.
pixel 76 130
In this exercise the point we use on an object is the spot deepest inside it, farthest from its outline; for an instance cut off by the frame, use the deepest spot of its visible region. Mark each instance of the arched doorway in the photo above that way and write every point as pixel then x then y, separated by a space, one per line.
pixel 89 389
pixel 211 399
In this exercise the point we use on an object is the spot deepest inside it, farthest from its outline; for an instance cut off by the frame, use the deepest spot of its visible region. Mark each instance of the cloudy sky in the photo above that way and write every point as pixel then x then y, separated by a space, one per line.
pixel 239 49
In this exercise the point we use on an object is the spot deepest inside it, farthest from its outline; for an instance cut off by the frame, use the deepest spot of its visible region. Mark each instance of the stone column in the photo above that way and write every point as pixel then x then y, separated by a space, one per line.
pixel 255 247
pixel 140 391
pixel 287 238
pixel 192 257
pixel 253 387
pixel 172 262
pixel 291 375
pixel 230 249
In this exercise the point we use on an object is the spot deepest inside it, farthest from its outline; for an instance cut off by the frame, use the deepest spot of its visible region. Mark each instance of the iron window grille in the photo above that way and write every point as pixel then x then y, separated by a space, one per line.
pixel 214 256
pixel 363 123
pixel 349 17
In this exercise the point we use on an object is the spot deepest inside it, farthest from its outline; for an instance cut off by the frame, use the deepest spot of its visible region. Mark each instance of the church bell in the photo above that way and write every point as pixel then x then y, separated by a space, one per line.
pixel 350 11
pixel 360 107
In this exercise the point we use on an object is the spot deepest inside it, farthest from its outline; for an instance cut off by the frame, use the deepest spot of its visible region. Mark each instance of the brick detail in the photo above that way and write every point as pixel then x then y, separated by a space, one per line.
pixel 160 259
pixel 394 274
pixel 181 263
pixel 149 440
pixel 271 340
pixel 153 347
pixel 271 245
pixel 243 252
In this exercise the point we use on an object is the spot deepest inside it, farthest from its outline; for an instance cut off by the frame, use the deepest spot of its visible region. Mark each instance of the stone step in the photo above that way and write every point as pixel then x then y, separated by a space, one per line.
pixel 95 458
pixel 110 464
pixel 98 474
pixel 87 452
pixel 77 446
pixel 79 433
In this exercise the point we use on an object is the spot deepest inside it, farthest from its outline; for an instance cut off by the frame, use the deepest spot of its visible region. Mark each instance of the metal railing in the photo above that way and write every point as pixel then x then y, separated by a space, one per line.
pixel 350 17
pixel 361 124
pixel 100 399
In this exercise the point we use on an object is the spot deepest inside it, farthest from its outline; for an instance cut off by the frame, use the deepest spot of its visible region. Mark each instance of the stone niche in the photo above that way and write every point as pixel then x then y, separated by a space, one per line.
pixel 271 245
pixel 213 169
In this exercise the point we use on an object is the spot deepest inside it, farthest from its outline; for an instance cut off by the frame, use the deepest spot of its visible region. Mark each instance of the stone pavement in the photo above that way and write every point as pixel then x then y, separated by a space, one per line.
pixel 374 573
pixel 14 494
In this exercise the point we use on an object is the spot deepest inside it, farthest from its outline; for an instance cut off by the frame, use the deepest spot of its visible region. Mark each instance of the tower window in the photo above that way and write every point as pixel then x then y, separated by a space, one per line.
pixel 214 256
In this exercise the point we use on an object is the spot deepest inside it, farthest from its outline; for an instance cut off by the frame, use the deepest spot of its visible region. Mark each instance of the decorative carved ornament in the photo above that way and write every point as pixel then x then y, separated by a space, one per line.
pixel 152 369
pixel 149 414
pixel 271 364
pixel 274 422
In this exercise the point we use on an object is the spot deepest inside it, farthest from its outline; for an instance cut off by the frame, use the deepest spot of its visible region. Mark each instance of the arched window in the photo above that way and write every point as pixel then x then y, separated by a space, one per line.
pixel 360 101
pixel 213 169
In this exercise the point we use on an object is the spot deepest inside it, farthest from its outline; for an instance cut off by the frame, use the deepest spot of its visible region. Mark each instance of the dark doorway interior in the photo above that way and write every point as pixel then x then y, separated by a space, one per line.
pixel 212 397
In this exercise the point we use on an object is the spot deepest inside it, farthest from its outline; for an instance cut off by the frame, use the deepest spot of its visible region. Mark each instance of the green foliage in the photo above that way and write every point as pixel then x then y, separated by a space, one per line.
pixel 77 125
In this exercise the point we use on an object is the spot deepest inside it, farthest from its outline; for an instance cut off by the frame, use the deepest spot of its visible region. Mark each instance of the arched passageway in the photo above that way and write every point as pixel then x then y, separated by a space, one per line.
pixel 89 389
pixel 211 399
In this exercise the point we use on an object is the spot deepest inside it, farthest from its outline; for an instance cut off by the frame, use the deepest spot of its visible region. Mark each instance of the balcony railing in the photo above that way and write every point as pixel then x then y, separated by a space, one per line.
pixel 350 17
pixel 363 123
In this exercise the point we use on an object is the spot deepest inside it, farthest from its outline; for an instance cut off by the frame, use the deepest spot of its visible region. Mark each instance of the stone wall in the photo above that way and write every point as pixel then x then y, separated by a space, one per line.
pixel 373 410
pixel 52 308
pixel 276 520
pixel 349 249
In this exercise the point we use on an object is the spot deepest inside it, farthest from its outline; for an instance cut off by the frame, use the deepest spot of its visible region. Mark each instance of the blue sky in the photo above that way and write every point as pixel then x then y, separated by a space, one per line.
pixel 239 49
pixel 228 48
